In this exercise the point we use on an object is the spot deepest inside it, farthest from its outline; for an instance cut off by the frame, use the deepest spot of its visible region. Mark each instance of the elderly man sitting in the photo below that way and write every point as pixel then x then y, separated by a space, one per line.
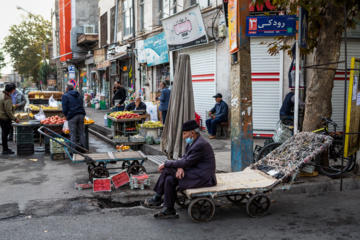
pixel 137 105
pixel 195 169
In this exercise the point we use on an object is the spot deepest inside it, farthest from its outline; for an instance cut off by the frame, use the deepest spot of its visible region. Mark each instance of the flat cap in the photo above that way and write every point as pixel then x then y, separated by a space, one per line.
pixel 189 125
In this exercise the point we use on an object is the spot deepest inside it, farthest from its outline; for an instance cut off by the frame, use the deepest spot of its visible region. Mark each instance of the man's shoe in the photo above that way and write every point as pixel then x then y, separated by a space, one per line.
pixel 166 214
pixel 151 203
pixel 6 152
pixel 212 137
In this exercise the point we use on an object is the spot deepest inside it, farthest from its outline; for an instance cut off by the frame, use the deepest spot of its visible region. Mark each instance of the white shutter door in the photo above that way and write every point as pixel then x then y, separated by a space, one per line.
pixel 265 74
pixel 202 62
pixel 353 50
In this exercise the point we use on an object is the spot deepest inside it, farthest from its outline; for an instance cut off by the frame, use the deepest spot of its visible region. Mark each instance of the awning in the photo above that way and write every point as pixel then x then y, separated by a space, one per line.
pixel 120 56
pixel 103 65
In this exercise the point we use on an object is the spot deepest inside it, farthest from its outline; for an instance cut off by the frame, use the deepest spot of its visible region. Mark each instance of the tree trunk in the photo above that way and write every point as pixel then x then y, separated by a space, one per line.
pixel 319 89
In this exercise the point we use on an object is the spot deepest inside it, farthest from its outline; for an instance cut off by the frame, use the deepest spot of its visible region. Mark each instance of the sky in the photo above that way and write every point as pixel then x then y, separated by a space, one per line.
pixel 10 15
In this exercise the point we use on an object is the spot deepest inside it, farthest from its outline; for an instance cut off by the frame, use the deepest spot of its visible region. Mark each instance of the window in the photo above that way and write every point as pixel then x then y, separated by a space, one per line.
pixel 142 14
pixel 202 3
pixel 112 24
pixel 127 17
pixel 103 27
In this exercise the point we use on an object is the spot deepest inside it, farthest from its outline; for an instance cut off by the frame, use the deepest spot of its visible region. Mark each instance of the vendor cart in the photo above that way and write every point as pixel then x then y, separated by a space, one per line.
pixel 97 162
pixel 278 168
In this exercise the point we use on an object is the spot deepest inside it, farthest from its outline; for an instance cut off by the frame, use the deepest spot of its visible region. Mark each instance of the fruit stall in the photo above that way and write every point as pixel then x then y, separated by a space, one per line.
pixel 48 110
pixel 124 123
pixel 42 97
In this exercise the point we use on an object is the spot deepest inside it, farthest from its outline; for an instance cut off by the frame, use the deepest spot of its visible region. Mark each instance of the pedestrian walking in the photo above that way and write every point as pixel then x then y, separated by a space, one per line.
pixel 164 100
pixel 119 96
pixel 73 109
pixel 7 111
pixel 218 114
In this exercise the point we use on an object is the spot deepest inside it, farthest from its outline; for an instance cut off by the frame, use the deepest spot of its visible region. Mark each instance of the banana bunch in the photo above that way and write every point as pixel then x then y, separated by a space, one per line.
pixel 33 107
pixel 49 107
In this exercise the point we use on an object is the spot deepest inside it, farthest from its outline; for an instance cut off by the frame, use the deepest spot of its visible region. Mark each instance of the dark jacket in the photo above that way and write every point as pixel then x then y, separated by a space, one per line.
pixel 120 95
pixel 72 104
pixel 6 107
pixel 131 106
pixel 287 105
pixel 164 99
pixel 198 163
pixel 220 109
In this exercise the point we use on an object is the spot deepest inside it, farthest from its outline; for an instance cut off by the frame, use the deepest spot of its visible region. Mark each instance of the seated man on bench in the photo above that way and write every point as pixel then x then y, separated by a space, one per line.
pixel 195 169
pixel 220 110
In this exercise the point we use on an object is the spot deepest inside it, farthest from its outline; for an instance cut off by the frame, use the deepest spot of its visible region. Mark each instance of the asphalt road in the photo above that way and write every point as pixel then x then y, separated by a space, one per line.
pixel 331 215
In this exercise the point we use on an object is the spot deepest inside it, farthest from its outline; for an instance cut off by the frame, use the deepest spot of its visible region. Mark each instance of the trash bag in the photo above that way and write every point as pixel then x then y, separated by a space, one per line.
pixel 66 129
pixel 52 102
pixel 40 115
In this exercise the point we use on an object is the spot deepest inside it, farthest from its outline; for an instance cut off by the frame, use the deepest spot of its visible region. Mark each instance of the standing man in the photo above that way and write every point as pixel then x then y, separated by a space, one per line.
pixel 120 95
pixel 19 101
pixel 195 169
pixel 73 109
pixel 220 111
pixel 164 100
pixel 6 115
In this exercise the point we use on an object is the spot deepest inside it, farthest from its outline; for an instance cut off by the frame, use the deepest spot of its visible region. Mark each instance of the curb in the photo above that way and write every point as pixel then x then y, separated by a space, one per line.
pixel 332 185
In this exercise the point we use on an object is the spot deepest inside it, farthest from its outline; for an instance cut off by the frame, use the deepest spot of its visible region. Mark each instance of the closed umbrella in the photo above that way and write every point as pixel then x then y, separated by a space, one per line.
pixel 181 109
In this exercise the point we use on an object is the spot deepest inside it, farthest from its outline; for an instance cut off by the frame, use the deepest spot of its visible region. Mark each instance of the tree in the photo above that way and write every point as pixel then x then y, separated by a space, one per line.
pixel 2 62
pixel 24 44
pixel 325 29
pixel 46 70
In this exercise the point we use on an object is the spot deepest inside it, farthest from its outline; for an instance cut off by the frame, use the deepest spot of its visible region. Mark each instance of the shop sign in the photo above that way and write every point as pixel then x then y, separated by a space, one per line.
pixel 265 7
pixel 141 51
pixel 271 25
pixel 233 25
pixel 51 82
pixel 156 50
pixel 303 19
pixel 185 29
pixel 71 70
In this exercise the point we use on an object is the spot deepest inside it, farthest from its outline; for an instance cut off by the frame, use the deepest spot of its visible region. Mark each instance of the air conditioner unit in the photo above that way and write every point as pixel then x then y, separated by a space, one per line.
pixel 89 29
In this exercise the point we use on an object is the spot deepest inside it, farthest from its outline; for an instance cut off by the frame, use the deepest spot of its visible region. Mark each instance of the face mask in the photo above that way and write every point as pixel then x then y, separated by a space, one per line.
pixel 189 140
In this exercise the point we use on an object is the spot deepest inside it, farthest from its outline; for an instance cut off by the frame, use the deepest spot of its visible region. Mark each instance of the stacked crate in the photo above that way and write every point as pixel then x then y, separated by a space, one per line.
pixel 25 140
pixel 57 151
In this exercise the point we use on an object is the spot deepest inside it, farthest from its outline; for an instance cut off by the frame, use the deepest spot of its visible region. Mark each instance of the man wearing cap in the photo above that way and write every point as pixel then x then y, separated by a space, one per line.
pixel 195 169
pixel 218 114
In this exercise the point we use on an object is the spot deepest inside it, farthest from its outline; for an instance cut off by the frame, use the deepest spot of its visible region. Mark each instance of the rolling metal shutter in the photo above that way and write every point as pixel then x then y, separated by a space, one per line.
pixel 353 50
pixel 202 62
pixel 266 81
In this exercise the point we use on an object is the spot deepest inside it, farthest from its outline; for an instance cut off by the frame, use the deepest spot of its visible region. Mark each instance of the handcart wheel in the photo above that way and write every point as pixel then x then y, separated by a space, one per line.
pixel 237 198
pixel 98 172
pixel 135 162
pixel 136 169
pixel 258 205
pixel 201 210
pixel 91 166
pixel 126 165
pixel 181 199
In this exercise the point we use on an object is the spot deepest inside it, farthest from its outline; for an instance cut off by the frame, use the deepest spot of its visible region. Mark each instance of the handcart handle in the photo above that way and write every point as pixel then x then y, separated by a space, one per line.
pixel 87 159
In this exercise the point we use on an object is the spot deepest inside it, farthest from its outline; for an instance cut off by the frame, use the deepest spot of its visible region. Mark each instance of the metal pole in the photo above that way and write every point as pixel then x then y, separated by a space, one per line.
pixel 241 98
pixel 297 82
pixel 344 115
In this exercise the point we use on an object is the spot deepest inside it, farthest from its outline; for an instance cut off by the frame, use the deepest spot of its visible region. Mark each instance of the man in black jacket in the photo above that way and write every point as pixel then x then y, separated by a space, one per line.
pixel 137 105
pixel 73 109
pixel 120 96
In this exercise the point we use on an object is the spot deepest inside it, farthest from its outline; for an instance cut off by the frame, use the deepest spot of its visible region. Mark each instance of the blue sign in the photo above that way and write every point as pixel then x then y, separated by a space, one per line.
pixel 156 50
pixel 271 25
pixel 71 68
pixel 303 15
